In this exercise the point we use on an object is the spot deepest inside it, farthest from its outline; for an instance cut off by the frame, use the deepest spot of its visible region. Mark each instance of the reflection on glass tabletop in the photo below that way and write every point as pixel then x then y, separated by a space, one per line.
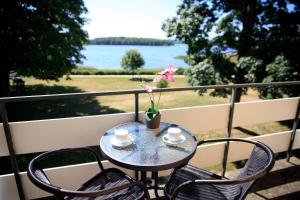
pixel 148 151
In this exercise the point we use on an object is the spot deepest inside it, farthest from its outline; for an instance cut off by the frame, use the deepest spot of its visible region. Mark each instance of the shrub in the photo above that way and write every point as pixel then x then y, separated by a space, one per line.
pixel 84 71
pixel 162 84
pixel 180 71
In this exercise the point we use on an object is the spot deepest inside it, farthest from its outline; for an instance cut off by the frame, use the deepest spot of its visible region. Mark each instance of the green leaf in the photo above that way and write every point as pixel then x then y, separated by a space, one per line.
pixel 151 113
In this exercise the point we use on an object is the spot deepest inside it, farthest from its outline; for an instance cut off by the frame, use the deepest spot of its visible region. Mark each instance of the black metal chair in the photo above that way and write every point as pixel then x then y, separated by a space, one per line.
pixel 191 183
pixel 108 184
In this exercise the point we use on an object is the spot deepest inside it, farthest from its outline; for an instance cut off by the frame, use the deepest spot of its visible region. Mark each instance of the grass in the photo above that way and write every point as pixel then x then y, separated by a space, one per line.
pixel 125 103
pixel 84 70
pixel 102 105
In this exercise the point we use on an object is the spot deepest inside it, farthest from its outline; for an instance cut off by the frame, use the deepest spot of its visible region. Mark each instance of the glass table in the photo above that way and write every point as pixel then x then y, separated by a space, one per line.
pixel 148 151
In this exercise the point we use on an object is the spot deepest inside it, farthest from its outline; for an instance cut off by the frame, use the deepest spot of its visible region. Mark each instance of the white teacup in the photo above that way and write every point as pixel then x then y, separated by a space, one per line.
pixel 122 135
pixel 174 134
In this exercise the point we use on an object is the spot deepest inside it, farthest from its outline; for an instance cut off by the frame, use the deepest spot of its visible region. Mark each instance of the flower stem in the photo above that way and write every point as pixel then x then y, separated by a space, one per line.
pixel 153 98
pixel 157 104
pixel 141 82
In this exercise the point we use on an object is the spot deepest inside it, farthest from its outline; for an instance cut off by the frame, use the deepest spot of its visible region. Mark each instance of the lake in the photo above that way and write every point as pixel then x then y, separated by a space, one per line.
pixel 109 56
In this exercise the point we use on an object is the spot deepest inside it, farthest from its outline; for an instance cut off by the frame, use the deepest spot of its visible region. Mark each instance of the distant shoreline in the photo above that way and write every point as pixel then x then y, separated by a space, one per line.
pixel 130 41
pixel 109 56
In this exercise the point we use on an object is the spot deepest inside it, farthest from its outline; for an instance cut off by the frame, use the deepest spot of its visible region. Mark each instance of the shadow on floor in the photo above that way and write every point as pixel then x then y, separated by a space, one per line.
pixel 290 196
pixel 281 184
pixel 278 177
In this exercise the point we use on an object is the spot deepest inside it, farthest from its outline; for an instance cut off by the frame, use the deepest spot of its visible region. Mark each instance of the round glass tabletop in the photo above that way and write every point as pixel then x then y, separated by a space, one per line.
pixel 149 150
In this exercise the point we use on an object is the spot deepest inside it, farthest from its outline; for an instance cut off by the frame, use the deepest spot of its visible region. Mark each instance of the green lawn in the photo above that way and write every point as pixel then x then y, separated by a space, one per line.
pixel 123 103
pixel 100 105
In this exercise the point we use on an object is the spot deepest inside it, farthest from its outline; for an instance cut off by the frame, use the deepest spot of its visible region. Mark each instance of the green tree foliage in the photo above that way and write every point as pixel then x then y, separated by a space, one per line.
pixel 40 38
pixel 132 60
pixel 279 70
pixel 251 67
pixel 131 41
pixel 258 31
pixel 205 73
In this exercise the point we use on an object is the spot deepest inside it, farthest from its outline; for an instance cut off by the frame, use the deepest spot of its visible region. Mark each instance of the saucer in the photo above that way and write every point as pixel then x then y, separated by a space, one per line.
pixel 118 143
pixel 166 140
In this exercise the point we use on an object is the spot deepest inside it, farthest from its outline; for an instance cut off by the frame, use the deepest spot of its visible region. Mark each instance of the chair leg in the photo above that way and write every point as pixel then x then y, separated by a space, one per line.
pixel 136 175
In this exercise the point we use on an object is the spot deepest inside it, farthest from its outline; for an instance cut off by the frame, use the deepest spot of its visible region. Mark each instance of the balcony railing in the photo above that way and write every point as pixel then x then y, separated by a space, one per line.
pixel 17 137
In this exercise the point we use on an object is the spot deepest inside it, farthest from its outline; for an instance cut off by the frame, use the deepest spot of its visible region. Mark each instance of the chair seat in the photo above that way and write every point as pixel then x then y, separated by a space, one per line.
pixel 106 181
pixel 206 191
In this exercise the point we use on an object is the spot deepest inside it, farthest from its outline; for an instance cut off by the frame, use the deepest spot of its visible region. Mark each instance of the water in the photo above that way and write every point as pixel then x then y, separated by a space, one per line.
pixel 109 56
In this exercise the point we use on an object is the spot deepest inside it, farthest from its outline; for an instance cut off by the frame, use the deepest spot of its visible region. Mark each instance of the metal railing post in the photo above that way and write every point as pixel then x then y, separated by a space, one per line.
pixel 12 154
pixel 293 135
pixel 136 106
pixel 229 128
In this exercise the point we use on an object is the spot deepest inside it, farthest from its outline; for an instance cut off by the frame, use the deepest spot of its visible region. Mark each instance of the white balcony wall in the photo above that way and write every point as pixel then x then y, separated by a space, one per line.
pixel 43 135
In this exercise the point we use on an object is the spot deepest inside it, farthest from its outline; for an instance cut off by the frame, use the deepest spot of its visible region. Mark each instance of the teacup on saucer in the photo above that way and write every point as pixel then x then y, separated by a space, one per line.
pixel 173 136
pixel 121 138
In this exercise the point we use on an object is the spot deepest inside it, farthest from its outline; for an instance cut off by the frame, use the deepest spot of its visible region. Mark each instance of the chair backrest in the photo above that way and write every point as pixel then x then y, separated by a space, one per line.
pixel 260 162
pixel 37 175
pixel 109 183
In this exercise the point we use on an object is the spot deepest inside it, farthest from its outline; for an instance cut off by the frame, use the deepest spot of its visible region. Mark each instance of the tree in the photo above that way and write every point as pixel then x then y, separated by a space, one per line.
pixel 279 70
pixel 40 38
pixel 132 60
pixel 256 30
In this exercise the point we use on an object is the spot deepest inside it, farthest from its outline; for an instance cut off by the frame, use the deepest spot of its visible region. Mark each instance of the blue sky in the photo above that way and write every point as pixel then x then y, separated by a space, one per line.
pixel 129 18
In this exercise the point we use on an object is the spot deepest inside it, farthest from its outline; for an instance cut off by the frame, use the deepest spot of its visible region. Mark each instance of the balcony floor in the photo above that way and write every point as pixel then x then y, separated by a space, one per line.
pixel 282 183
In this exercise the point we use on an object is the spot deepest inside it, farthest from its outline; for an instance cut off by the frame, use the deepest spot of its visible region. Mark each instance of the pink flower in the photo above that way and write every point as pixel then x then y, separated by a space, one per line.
pixel 157 79
pixel 149 88
pixel 171 69
pixel 169 76
pixel 162 72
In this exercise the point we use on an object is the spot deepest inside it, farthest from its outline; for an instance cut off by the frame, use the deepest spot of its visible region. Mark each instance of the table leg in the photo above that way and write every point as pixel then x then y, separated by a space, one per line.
pixel 136 172
pixel 143 176
pixel 150 183
pixel 156 187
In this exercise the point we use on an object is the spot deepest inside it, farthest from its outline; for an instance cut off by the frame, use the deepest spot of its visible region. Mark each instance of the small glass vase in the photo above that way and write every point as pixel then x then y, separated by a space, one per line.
pixel 153 123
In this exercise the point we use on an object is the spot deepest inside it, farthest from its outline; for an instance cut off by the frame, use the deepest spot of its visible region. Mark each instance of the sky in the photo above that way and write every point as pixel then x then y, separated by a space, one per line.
pixel 128 18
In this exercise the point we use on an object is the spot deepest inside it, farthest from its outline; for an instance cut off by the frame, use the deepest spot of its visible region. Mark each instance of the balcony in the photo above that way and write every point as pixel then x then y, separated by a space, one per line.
pixel 27 137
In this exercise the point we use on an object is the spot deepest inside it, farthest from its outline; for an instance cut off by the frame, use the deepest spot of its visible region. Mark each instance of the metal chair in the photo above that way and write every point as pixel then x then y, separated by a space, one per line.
pixel 191 183
pixel 108 184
